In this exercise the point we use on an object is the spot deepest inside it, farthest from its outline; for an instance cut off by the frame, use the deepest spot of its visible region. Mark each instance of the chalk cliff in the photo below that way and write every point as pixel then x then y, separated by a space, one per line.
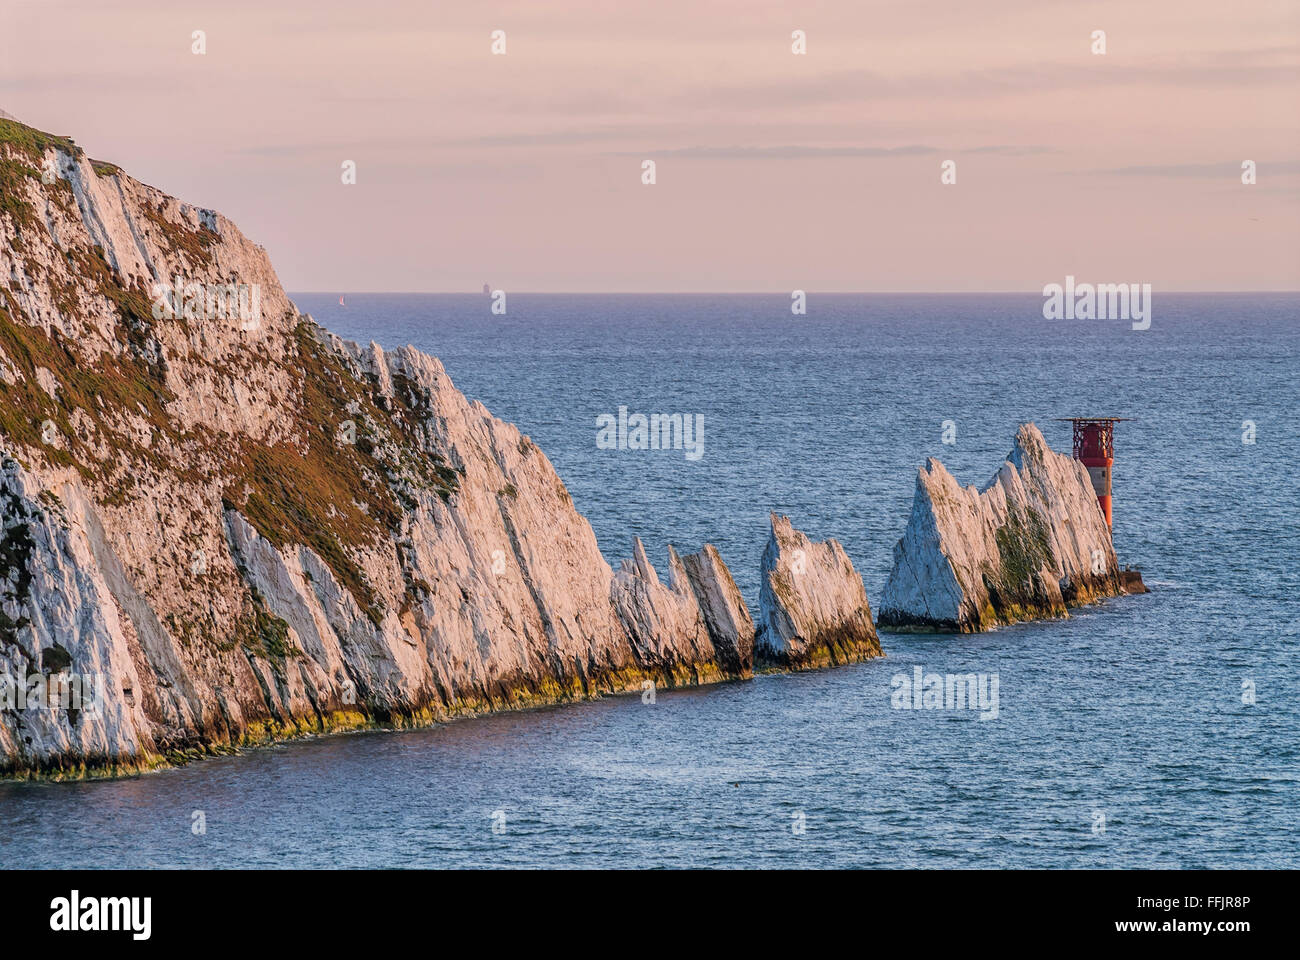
pixel 1030 544
pixel 244 528
pixel 813 608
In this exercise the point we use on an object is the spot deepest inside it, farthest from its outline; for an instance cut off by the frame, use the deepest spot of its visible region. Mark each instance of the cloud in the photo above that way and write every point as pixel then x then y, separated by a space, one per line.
pixel 1228 168
pixel 787 152
pixel 799 152
pixel 1216 70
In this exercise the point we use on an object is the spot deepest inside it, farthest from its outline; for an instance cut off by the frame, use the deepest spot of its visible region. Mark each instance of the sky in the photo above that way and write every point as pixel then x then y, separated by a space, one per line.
pixel 774 171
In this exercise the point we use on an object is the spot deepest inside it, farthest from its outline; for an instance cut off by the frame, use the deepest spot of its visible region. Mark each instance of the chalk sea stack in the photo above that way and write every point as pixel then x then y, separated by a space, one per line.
pixel 813 606
pixel 730 625
pixel 1030 544
pixel 672 630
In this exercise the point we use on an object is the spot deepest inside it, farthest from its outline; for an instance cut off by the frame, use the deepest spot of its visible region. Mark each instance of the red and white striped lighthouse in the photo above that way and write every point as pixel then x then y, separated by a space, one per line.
pixel 1094 447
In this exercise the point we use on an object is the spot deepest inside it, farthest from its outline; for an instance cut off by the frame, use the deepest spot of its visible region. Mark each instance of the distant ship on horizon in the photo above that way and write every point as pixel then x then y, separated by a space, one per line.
pixel 486 288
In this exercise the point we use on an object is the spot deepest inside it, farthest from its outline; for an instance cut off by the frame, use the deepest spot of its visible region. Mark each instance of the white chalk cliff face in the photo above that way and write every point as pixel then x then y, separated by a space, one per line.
pixel 813 606
pixel 251 530
pixel 1028 545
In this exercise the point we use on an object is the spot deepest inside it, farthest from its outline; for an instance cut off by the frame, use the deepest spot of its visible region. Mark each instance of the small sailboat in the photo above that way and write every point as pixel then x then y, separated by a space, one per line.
pixel 341 303
pixel 486 288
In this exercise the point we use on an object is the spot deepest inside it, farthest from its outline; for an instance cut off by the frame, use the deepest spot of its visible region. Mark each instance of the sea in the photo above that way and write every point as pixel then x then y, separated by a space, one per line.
pixel 1152 731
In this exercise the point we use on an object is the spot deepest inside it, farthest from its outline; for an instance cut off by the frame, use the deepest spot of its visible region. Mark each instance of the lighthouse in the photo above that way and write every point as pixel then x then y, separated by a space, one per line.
pixel 1094 447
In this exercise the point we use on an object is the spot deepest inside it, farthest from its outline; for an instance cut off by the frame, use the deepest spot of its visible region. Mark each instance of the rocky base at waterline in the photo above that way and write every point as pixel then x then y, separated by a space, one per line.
pixel 1030 544
pixel 813 608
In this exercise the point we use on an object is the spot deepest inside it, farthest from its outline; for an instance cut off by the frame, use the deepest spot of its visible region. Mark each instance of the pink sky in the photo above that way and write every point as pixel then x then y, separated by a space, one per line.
pixel 775 171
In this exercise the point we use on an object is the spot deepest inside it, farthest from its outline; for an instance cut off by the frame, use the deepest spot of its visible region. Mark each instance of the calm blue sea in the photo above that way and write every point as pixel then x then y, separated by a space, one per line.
pixel 1122 738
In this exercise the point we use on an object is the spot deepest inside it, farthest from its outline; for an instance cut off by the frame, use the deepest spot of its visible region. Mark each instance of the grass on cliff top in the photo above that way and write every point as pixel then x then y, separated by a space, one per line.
pixel 30 144
pixel 34 142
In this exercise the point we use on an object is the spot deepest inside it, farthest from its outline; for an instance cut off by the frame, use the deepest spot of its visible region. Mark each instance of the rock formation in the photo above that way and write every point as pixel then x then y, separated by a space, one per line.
pixel 723 609
pixel 1030 544
pixel 813 606
pixel 239 527
pixel 666 623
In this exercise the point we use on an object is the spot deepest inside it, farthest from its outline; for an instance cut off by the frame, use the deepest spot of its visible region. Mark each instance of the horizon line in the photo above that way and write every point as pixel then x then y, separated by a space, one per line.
pixel 339 291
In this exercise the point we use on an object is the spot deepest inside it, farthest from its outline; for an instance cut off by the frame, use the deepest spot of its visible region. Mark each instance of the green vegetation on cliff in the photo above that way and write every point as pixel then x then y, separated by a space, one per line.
pixel 338 488
pixel 33 142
